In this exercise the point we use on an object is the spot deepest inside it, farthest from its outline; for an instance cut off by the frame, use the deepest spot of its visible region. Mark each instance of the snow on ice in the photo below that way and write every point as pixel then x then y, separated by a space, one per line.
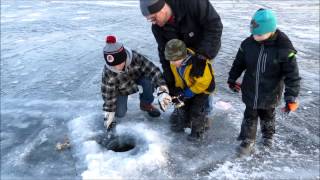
pixel 51 64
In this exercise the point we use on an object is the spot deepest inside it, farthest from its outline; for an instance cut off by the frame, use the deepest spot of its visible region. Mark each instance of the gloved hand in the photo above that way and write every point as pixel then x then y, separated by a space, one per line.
pixel 109 122
pixel 290 107
pixel 198 66
pixel 234 86
pixel 164 99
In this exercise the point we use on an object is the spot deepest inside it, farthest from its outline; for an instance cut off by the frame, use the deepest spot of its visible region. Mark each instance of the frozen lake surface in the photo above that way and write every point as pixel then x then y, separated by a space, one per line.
pixel 51 64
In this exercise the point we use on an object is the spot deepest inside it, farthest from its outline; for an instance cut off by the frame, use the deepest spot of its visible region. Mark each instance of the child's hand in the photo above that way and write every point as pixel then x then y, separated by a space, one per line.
pixel 164 99
pixel 235 87
pixel 108 120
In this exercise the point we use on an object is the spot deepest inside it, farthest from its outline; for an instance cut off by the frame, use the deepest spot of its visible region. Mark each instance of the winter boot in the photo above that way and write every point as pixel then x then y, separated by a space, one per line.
pixel 196 136
pixel 267 142
pixel 177 120
pixel 240 137
pixel 207 122
pixel 152 111
pixel 246 147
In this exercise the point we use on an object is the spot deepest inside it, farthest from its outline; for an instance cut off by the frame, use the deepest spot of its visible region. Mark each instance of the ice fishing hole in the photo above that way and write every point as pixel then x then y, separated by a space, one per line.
pixel 122 143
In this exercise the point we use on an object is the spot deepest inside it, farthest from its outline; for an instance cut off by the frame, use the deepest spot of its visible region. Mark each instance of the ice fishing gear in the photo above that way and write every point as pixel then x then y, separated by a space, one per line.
pixel 174 100
pixel 178 101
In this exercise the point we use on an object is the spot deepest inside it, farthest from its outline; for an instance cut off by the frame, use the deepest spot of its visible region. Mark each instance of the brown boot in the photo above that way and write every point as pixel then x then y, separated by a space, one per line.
pixel 152 111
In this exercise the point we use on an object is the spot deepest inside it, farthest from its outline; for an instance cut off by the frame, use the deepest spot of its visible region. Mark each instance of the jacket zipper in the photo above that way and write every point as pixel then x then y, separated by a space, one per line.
pixel 264 62
pixel 255 104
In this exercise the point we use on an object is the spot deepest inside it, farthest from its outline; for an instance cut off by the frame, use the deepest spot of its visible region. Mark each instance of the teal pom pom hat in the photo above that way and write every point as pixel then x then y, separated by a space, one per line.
pixel 263 21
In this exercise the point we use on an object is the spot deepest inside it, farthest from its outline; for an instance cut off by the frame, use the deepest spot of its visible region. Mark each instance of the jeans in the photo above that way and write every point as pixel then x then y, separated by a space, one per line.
pixel 145 97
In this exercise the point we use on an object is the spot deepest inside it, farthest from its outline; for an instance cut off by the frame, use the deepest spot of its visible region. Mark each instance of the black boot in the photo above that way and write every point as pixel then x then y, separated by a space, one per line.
pixel 246 147
pixel 267 142
pixel 196 136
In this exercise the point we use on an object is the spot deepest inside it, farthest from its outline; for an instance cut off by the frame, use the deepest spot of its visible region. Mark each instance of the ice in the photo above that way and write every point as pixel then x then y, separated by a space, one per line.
pixel 103 163
pixel 51 64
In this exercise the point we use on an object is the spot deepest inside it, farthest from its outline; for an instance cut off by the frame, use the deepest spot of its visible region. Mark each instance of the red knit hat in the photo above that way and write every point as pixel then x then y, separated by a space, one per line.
pixel 114 52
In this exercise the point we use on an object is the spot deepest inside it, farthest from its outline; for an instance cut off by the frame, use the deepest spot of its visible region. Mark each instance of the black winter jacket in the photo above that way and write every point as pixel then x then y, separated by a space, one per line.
pixel 196 23
pixel 269 65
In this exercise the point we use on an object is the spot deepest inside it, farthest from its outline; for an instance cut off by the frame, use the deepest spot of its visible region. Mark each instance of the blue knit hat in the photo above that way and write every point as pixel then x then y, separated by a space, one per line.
pixel 263 21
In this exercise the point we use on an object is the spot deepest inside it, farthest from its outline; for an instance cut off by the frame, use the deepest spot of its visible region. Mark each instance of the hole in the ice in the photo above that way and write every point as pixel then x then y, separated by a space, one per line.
pixel 122 143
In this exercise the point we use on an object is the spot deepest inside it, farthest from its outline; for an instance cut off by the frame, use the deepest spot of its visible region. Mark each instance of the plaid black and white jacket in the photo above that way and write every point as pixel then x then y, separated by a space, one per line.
pixel 121 83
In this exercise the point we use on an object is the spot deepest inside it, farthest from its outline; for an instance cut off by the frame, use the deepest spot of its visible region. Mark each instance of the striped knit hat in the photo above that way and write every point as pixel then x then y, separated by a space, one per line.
pixel 114 52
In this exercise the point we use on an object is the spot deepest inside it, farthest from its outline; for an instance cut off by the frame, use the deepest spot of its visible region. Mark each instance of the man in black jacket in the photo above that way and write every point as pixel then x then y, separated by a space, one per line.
pixel 195 22
pixel 269 61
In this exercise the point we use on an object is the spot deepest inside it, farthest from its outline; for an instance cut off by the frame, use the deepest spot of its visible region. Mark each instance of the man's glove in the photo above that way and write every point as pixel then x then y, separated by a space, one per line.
pixel 109 122
pixel 234 86
pixel 164 98
pixel 290 107
pixel 198 66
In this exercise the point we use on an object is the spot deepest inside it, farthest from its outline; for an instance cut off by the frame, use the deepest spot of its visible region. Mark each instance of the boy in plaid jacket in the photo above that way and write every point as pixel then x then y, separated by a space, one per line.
pixel 123 72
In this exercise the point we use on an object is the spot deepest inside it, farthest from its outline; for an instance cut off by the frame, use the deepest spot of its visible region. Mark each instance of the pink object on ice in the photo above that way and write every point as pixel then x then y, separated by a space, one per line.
pixel 223 105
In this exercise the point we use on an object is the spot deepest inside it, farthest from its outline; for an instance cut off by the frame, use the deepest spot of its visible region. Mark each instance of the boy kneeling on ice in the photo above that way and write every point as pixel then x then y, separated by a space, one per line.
pixel 194 81
pixel 269 61
pixel 124 70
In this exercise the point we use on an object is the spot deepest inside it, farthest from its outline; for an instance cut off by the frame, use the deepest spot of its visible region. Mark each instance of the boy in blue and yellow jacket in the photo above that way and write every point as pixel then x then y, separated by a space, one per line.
pixel 194 81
